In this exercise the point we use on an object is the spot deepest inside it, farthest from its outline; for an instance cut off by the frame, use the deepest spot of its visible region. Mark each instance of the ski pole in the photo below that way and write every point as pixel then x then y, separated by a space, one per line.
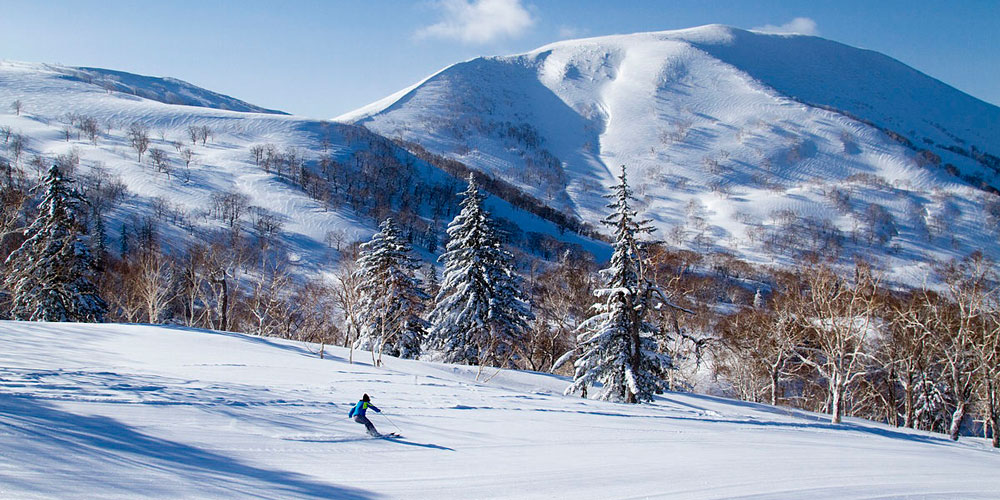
pixel 391 422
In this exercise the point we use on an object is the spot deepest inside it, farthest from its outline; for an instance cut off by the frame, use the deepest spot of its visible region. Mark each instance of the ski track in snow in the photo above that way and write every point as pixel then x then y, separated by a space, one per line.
pixel 113 411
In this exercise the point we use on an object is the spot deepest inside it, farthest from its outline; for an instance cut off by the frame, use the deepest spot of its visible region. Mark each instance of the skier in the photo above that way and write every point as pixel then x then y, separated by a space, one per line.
pixel 358 412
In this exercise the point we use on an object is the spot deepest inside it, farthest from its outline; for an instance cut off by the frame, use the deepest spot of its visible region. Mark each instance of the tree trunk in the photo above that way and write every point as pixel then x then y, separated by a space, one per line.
pixel 956 421
pixel 892 405
pixel 774 385
pixel 633 355
pixel 995 428
pixel 224 305
pixel 908 401
pixel 837 395
pixel 994 412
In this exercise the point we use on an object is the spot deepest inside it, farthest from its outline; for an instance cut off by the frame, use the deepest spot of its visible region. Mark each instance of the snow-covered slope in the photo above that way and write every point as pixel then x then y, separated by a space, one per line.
pixel 166 90
pixel 181 202
pixel 132 411
pixel 734 139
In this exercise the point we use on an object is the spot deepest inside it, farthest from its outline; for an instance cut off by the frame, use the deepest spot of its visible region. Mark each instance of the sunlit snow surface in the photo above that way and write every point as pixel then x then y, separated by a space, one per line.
pixel 129 411
pixel 721 125
pixel 48 93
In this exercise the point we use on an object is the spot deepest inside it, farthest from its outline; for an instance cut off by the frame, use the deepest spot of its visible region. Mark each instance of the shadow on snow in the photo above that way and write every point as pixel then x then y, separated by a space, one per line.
pixel 92 443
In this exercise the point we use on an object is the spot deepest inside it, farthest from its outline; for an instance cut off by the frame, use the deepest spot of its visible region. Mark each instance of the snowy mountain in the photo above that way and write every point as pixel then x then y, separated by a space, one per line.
pixel 316 163
pixel 134 411
pixel 165 90
pixel 767 146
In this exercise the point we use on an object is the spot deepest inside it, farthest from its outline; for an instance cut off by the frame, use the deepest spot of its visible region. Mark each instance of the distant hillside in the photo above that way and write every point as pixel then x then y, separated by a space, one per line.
pixel 770 147
pixel 166 90
pixel 320 185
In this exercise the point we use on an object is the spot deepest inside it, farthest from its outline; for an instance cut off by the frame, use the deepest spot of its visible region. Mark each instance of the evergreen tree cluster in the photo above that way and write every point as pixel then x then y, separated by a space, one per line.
pixel 619 344
pixel 480 315
pixel 52 274
pixel 392 297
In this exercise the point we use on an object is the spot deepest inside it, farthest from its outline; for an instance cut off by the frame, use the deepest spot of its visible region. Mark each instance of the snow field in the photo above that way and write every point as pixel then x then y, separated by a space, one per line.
pixel 113 411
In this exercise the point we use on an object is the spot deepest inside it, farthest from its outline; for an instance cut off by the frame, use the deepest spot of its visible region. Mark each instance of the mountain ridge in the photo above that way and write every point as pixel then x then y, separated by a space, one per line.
pixel 167 90
pixel 306 201
pixel 724 130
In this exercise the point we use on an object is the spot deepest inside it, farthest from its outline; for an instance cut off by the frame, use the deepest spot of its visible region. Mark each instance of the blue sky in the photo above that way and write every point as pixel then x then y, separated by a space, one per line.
pixel 323 58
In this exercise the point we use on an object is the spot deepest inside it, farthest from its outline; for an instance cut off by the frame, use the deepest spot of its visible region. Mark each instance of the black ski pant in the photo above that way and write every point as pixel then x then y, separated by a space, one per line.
pixel 361 419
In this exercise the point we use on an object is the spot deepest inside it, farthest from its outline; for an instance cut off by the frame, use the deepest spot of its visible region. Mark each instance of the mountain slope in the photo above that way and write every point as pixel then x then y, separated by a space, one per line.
pixel 768 146
pixel 112 411
pixel 166 90
pixel 865 83
pixel 184 203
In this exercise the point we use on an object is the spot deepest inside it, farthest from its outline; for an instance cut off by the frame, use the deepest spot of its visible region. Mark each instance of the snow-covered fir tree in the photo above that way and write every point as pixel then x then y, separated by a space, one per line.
pixel 391 296
pixel 480 315
pixel 52 273
pixel 432 280
pixel 618 347
pixel 98 240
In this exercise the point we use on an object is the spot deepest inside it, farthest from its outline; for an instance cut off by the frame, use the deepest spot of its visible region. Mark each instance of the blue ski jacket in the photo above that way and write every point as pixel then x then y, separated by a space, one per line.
pixel 361 408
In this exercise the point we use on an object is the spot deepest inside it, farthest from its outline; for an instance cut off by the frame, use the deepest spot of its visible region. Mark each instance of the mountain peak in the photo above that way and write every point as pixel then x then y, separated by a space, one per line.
pixel 722 128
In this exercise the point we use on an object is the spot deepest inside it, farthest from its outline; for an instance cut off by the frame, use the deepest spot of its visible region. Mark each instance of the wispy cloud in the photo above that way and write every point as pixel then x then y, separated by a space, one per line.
pixel 478 21
pixel 799 25
pixel 567 32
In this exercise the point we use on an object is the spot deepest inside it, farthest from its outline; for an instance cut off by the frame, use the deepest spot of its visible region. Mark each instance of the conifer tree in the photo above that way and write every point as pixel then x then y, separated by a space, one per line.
pixel 99 241
pixel 480 316
pixel 619 346
pixel 52 272
pixel 433 282
pixel 390 294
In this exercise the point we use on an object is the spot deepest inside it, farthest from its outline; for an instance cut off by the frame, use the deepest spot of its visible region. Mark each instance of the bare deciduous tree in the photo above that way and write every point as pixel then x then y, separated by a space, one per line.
pixel 195 291
pixel 837 318
pixel 18 143
pixel 160 160
pixel 561 300
pixel 230 207
pixel 956 327
pixel 762 343
pixel 267 305
pixel 204 133
pixel 88 126
pixel 257 150
pixel 987 348
pixel 138 135
pixel 348 299
pixel 315 304
pixel 153 282
pixel 194 133
pixel 335 238
pixel 904 351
